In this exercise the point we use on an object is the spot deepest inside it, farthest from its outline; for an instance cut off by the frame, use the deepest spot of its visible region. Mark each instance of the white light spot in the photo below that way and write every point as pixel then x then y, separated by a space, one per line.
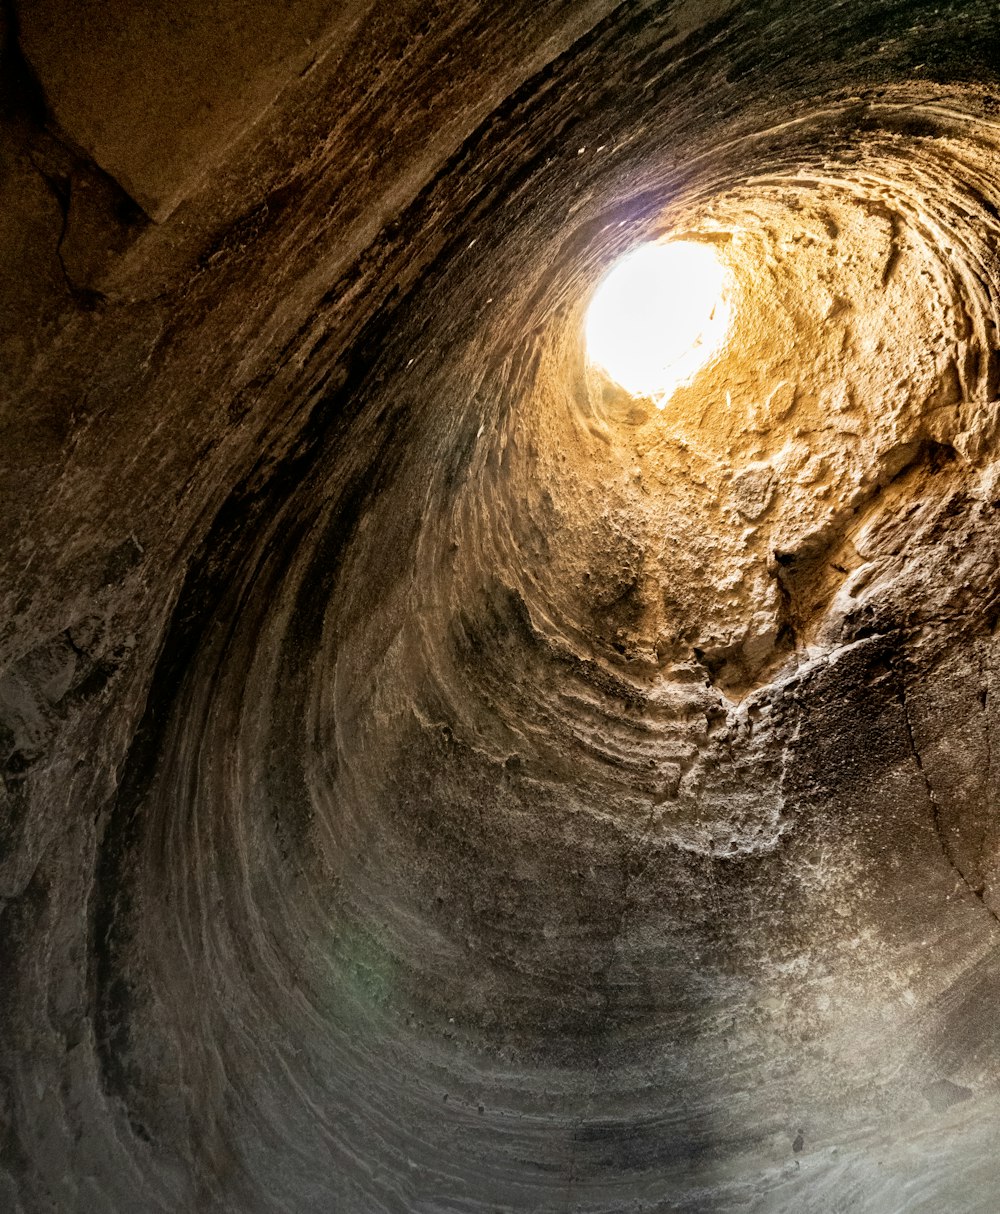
pixel 659 316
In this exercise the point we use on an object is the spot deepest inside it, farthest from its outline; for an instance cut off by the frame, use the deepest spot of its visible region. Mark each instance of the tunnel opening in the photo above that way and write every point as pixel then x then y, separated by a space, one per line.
pixel 435 778
pixel 658 316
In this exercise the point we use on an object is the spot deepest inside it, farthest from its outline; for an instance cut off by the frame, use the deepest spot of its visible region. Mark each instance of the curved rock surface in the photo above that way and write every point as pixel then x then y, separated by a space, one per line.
pixel 434 780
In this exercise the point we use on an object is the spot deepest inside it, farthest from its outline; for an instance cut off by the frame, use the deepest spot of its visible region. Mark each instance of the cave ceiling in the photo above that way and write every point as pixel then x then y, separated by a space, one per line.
pixel 434 779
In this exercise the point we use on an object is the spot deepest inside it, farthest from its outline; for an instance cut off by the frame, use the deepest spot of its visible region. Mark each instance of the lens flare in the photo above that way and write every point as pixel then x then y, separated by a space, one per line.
pixel 658 317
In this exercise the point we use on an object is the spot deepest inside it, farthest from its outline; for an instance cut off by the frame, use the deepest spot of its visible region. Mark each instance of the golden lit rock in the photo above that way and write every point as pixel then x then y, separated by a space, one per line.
pixel 434 779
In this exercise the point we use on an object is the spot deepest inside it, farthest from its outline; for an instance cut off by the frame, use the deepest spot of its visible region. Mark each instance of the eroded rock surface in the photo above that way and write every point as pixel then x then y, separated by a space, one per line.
pixel 432 779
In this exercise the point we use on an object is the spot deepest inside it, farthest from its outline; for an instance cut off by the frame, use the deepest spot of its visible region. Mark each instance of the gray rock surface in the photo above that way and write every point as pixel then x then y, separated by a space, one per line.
pixel 434 781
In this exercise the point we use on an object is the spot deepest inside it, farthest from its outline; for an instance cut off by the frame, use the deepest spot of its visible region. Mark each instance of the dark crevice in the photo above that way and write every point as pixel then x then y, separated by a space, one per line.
pixel 22 96
pixel 61 188
pixel 58 160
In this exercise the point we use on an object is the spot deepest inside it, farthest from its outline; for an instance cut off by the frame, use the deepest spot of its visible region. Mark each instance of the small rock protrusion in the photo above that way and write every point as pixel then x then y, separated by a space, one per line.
pixel 753 490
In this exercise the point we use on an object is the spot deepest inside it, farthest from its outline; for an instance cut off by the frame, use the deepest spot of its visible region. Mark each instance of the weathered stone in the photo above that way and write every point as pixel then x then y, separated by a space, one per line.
pixel 430 779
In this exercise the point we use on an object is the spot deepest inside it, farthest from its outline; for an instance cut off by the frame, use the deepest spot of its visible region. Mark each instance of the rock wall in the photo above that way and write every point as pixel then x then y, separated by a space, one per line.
pixel 433 780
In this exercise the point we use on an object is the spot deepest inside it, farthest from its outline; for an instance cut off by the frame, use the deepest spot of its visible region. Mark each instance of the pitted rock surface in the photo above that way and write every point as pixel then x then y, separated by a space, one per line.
pixel 434 780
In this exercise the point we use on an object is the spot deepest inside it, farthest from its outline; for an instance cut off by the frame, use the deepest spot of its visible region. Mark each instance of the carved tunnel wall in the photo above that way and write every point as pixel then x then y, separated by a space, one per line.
pixel 434 780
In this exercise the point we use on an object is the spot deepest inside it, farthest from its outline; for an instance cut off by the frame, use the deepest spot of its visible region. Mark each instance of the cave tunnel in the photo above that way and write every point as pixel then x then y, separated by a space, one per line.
pixel 440 774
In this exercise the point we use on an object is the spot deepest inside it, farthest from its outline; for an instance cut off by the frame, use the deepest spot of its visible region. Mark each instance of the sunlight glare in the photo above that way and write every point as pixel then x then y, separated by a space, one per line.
pixel 658 317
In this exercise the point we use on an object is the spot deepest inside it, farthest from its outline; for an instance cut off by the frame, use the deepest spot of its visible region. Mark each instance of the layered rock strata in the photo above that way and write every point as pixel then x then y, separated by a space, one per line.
pixel 433 779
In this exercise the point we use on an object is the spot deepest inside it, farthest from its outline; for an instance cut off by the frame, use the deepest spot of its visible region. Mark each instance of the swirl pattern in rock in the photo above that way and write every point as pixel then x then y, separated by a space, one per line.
pixel 438 781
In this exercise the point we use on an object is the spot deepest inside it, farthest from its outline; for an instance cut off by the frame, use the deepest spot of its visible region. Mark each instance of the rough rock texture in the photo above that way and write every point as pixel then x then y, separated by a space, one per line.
pixel 433 781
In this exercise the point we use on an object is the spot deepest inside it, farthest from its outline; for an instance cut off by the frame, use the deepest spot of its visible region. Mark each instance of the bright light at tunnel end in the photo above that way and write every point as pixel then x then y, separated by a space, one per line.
pixel 659 316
